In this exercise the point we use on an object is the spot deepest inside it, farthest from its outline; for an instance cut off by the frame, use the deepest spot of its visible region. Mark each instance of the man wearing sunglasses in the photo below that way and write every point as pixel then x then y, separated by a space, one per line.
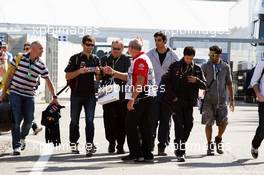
pixel 115 112
pixel 218 77
pixel 26 47
pixel 80 73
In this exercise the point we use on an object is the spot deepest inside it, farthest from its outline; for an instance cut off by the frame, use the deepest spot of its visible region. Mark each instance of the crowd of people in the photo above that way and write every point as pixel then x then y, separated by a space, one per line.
pixel 143 112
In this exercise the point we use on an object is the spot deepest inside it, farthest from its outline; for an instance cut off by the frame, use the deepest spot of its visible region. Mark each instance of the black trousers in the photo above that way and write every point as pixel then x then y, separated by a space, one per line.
pixel 114 122
pixel 183 122
pixel 162 112
pixel 259 135
pixel 139 128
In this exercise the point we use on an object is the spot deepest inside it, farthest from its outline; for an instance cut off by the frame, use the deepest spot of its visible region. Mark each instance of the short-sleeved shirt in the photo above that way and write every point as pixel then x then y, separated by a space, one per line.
pixel 85 82
pixel 25 79
pixel 140 68
pixel 221 74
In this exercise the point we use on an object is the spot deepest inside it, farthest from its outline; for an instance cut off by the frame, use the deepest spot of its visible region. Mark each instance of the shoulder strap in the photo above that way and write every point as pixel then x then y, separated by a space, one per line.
pixel 18 59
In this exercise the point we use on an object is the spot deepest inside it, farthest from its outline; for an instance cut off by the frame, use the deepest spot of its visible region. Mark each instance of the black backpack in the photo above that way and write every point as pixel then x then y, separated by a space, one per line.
pixel 249 91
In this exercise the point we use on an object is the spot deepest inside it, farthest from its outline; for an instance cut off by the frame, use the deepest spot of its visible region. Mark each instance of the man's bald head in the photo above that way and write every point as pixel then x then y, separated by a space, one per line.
pixel 36 49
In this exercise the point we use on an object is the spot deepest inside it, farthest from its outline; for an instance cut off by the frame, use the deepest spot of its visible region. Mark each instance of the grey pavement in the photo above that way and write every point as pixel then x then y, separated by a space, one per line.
pixel 40 158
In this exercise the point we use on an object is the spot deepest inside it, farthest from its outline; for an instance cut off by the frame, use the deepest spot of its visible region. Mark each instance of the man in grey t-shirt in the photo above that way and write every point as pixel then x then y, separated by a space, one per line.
pixel 218 77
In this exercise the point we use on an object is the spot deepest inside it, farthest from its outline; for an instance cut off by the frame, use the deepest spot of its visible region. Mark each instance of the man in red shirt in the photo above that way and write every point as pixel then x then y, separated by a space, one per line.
pixel 140 89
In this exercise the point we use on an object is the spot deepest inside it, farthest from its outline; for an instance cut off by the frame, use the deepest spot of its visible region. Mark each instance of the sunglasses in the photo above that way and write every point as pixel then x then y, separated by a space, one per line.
pixel 26 49
pixel 89 45
pixel 117 49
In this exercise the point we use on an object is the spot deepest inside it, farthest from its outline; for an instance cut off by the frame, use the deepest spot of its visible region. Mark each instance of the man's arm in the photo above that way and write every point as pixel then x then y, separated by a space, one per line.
pixel 169 76
pixel 231 96
pixel 120 75
pixel 136 91
pixel 51 90
pixel 115 74
pixel 255 80
pixel 201 80
pixel 230 88
pixel 72 75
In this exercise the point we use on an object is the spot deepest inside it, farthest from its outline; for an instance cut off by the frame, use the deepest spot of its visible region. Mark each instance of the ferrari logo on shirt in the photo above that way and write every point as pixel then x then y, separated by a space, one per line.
pixel 141 66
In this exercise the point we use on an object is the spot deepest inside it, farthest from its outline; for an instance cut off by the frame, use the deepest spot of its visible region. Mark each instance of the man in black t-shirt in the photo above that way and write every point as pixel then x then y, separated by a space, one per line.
pixel 80 72
pixel 115 113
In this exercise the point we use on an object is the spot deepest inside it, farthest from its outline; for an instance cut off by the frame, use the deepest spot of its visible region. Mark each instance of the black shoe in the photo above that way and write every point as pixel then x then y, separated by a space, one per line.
pixel 254 152
pixel 90 149
pixel 161 151
pixel 149 158
pixel 139 160
pixel 129 158
pixel 210 149
pixel 180 158
pixel 120 151
pixel 219 145
pixel 111 148
pixel 94 149
pixel 89 153
pixel 74 148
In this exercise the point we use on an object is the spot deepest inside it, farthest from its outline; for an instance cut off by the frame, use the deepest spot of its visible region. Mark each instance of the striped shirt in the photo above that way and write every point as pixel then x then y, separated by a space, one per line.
pixel 25 79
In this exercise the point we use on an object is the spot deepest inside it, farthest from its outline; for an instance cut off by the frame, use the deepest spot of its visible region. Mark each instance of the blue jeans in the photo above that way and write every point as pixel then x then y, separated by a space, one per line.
pixel 77 103
pixel 23 109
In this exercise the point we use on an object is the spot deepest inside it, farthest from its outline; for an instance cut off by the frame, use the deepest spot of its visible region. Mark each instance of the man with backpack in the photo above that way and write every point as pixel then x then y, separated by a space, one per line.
pixel 80 72
pixel 218 76
pixel 257 83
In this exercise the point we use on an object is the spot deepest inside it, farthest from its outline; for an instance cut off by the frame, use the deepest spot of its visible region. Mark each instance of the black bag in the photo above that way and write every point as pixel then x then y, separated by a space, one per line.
pixel 6 121
pixel 51 115
pixel 50 119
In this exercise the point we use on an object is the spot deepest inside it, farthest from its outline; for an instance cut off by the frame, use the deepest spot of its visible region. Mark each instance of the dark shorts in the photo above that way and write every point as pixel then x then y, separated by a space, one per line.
pixel 214 112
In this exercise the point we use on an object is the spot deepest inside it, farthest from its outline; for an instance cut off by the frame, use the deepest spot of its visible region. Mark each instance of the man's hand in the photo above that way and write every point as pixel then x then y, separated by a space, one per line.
pixel 192 79
pixel 130 105
pixel 83 70
pixel 260 98
pixel 55 101
pixel 97 70
pixel 108 70
pixel 232 106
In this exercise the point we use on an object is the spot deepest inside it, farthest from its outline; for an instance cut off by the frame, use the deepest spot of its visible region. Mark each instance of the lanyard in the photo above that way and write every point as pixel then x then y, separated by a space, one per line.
pixel 30 66
pixel 114 62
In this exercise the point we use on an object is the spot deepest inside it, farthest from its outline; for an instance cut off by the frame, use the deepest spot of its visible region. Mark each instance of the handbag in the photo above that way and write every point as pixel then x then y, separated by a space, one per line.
pixel 108 94
pixel 6 121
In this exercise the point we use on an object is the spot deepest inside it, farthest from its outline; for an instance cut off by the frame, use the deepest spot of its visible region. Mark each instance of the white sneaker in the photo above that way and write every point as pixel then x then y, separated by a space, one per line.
pixel 254 152
pixel 16 151
pixel 23 144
